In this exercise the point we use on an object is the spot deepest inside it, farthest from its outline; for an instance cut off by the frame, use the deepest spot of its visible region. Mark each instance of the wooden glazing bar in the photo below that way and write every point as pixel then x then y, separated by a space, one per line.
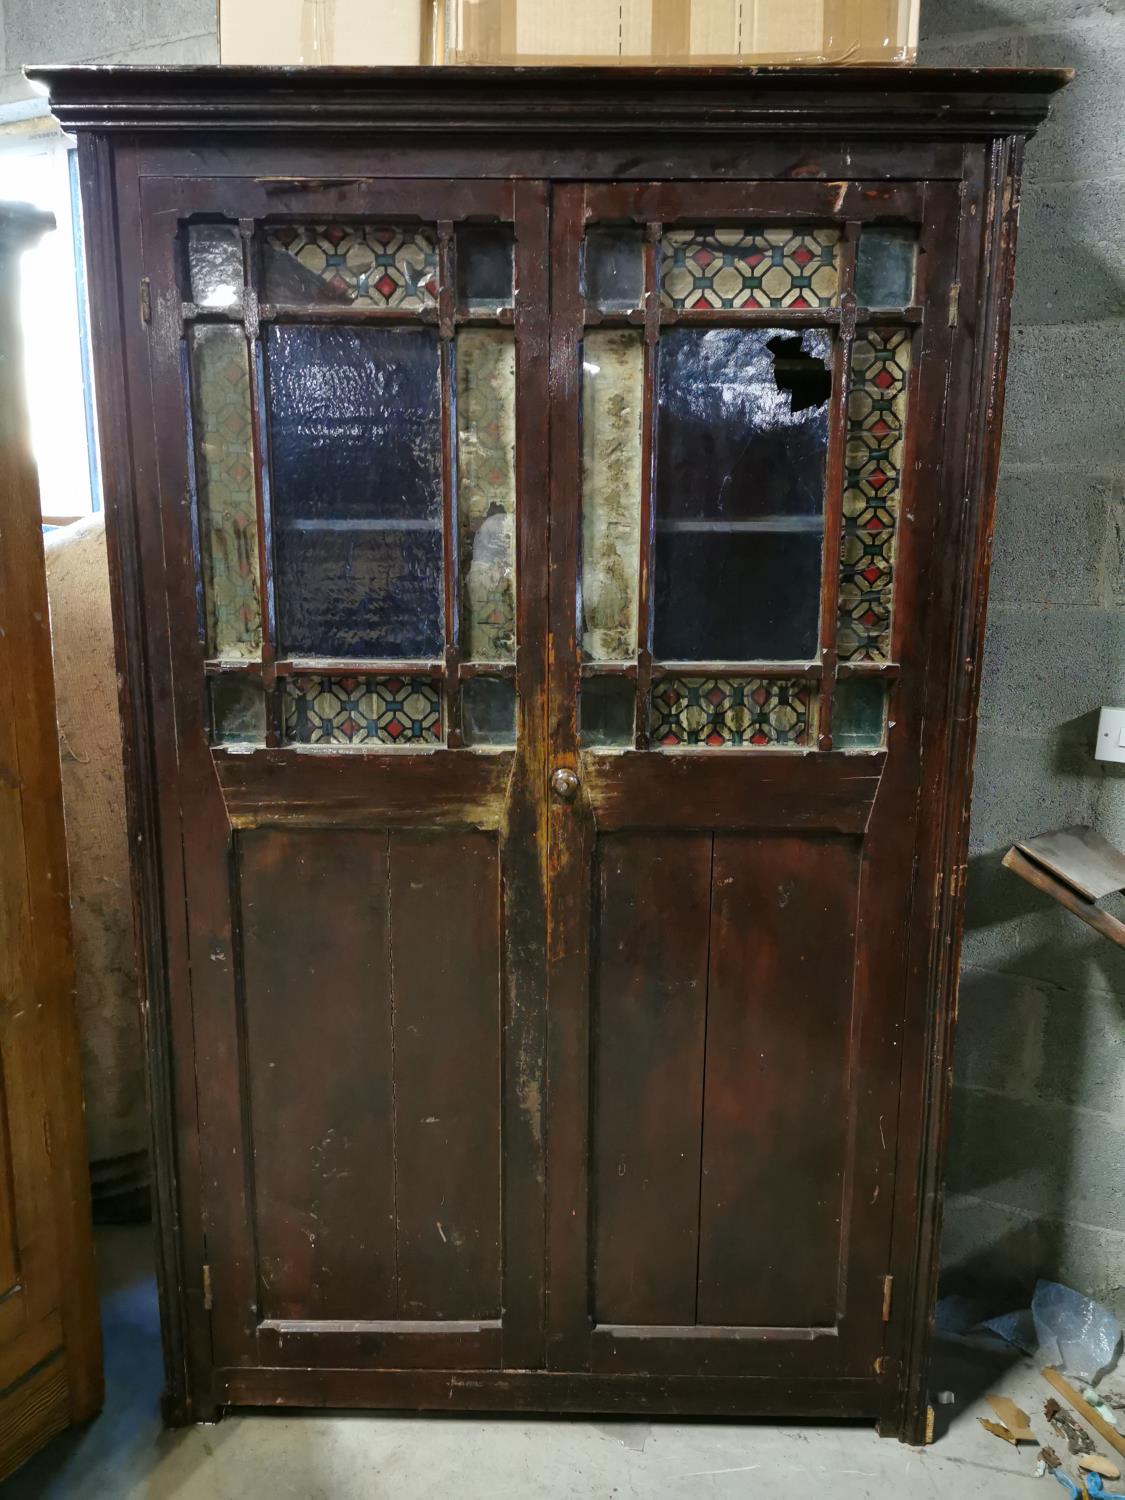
pixel 316 666
pixel 608 669
pixel 752 317
pixel 810 671
pixel 504 669
pixel 260 430
pixel 224 667
pixel 350 312
pixel 834 482
pixel 647 563
pixel 888 670
pixel 451 569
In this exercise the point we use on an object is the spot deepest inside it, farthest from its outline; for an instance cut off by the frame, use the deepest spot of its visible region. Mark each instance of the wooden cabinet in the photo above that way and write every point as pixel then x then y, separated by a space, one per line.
pixel 551 516
pixel 50 1339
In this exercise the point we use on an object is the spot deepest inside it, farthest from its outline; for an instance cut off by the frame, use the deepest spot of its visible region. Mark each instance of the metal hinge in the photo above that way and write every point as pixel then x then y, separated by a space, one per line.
pixel 146 301
pixel 954 299
pixel 888 1289
pixel 208 1299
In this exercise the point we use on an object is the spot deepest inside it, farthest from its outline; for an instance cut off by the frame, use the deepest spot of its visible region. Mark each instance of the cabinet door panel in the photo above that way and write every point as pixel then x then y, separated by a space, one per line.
pixel 741 512
pixel 349 402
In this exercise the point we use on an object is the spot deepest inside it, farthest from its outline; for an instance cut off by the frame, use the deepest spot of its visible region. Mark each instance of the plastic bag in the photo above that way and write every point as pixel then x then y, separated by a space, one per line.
pixel 1075 1333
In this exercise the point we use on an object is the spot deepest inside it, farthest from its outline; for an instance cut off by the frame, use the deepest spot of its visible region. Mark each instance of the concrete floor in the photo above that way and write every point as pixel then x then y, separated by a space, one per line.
pixel 126 1453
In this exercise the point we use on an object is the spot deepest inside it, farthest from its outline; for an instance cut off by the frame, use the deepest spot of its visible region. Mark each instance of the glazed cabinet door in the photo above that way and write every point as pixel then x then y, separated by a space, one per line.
pixel 349 384
pixel 749 382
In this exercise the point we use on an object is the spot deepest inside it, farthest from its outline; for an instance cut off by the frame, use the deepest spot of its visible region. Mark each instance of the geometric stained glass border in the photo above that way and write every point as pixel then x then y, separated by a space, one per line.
pixel 731 268
pixel 362 710
pixel 725 713
pixel 364 264
pixel 872 492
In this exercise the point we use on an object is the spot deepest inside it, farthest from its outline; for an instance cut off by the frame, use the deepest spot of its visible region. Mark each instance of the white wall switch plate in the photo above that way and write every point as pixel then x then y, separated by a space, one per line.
pixel 1111 735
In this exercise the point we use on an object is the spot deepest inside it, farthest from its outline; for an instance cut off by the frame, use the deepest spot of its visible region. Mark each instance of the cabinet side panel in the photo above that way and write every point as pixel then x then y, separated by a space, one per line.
pixel 778 1054
pixel 650 1002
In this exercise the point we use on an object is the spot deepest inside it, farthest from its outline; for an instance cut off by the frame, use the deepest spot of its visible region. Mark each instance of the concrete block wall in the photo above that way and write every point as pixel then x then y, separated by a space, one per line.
pixel 103 31
pixel 1037 1163
pixel 1036 1181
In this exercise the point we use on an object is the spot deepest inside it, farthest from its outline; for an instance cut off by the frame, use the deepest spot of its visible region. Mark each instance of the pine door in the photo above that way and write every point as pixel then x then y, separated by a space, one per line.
pixel 742 519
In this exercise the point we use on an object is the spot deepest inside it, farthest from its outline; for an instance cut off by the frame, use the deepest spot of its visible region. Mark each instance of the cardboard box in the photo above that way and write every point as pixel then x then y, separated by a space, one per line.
pixel 618 32
pixel 680 31
pixel 287 32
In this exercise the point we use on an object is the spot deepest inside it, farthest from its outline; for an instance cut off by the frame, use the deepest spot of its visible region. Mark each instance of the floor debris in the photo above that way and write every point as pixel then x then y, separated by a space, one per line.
pixel 1013 1425
pixel 1077 1439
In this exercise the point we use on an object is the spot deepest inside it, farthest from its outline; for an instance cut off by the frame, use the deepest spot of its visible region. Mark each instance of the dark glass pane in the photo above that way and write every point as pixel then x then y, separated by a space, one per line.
pixel 355 441
pixel 614 269
pixel 884 272
pixel 368 265
pixel 238 711
pixel 732 713
pixel 484 265
pixel 215 265
pixel 388 710
pixel 859 714
pixel 488 711
pixel 606 708
pixel 742 440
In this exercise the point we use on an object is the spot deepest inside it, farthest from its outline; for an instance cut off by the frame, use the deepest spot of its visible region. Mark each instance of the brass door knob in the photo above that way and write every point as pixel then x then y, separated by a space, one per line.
pixel 564 784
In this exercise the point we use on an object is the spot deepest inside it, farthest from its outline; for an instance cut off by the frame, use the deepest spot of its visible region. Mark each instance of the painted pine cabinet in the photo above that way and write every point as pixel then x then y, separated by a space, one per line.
pixel 551 517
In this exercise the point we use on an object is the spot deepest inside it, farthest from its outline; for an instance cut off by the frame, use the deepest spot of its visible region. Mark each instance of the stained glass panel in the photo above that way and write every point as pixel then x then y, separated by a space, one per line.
pixel 612 411
pixel 727 713
pixel 238 710
pixel 356 451
pixel 859 714
pixel 484 266
pixel 224 480
pixel 488 711
pixel 741 446
pixel 606 707
pixel 613 268
pixel 884 272
pixel 873 491
pixel 729 268
pixel 362 711
pixel 364 265
pixel 215 265
pixel 486 491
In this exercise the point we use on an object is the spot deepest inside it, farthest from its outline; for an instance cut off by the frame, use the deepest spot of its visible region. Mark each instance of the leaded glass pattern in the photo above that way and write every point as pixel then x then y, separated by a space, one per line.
pixel 612 412
pixel 725 713
pixel 486 491
pixel 224 479
pixel 873 491
pixel 363 264
pixel 731 268
pixel 362 710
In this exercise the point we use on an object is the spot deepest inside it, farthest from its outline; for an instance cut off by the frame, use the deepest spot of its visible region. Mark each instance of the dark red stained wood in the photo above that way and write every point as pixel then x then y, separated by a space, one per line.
pixel 770 143
pixel 776 1394
pixel 778 1054
pixel 319 1071
pixel 649 996
pixel 444 963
